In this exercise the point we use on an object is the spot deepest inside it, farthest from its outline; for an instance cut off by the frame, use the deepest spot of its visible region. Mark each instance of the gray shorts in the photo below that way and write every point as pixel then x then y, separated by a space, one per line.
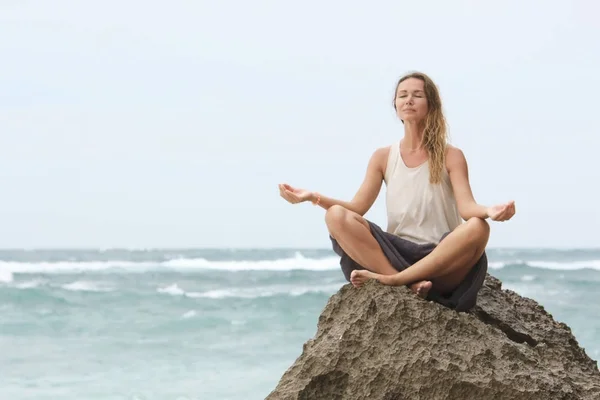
pixel 403 253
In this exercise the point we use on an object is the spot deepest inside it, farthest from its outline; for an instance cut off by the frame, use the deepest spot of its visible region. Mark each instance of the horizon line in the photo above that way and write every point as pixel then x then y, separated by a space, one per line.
pixel 243 248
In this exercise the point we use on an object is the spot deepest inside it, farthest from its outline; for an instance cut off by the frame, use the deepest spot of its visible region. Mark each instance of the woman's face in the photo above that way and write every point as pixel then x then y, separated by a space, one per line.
pixel 411 102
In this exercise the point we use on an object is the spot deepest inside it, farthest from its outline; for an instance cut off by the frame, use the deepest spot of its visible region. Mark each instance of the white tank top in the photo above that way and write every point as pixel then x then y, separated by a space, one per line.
pixel 416 209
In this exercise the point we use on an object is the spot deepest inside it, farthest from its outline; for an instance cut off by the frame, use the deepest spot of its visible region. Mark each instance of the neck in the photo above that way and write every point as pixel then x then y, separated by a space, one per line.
pixel 413 135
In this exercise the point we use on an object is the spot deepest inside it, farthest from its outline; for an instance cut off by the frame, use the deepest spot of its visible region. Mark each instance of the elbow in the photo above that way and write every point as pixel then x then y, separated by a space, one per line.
pixel 361 212
pixel 466 210
pixel 472 210
pixel 360 209
pixel 463 212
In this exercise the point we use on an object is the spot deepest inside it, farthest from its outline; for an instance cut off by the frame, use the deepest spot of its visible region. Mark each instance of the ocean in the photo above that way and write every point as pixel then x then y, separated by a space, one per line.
pixel 209 324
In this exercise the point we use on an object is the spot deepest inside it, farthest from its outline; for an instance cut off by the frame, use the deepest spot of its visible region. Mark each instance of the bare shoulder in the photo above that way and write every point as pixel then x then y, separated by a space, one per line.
pixel 382 153
pixel 380 157
pixel 455 158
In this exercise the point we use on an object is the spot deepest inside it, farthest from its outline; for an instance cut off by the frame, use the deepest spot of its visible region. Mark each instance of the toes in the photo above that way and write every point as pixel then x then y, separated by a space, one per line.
pixel 422 289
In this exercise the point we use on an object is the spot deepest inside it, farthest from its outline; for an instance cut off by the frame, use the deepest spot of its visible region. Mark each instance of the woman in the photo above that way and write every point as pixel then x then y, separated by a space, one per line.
pixel 427 246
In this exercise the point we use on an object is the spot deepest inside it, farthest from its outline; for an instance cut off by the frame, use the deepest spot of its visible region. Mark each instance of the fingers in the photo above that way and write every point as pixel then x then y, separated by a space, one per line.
pixel 287 194
pixel 498 210
pixel 289 188
pixel 284 194
pixel 509 211
pixel 506 212
pixel 502 216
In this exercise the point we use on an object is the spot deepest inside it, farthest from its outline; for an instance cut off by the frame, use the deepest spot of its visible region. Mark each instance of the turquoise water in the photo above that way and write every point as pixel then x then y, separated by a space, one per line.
pixel 208 324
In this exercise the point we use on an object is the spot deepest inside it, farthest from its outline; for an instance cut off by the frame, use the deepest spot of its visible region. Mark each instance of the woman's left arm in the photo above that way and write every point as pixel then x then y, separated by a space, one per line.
pixel 458 170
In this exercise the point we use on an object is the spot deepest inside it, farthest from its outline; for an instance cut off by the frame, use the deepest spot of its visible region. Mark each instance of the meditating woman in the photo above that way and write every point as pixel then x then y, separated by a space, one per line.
pixel 436 232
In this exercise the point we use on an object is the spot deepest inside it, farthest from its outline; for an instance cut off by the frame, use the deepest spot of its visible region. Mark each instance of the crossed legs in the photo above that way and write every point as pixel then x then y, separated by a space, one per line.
pixel 353 234
pixel 447 265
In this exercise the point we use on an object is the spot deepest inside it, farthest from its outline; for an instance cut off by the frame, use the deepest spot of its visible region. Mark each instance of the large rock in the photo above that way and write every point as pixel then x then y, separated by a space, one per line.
pixel 381 342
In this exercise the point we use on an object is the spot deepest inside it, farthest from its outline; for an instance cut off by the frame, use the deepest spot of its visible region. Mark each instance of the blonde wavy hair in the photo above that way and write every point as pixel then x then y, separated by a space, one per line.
pixel 435 135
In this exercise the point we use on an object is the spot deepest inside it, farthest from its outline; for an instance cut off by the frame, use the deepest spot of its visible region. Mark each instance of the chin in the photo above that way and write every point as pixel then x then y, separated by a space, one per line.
pixel 412 119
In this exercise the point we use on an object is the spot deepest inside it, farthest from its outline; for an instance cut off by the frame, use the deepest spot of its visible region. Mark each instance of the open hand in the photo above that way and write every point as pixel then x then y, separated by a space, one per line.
pixel 502 212
pixel 293 195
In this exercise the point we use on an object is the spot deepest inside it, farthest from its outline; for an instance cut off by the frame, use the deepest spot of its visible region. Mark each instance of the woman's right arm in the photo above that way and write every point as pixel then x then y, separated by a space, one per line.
pixel 364 197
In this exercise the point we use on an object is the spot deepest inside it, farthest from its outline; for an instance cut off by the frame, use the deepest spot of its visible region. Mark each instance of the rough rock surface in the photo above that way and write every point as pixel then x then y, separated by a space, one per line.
pixel 381 342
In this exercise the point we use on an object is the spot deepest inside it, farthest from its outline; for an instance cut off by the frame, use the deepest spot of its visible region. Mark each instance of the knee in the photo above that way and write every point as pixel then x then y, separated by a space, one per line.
pixel 479 227
pixel 335 216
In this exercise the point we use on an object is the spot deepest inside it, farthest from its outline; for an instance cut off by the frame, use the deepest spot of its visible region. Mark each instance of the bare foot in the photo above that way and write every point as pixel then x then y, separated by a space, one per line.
pixel 421 288
pixel 360 276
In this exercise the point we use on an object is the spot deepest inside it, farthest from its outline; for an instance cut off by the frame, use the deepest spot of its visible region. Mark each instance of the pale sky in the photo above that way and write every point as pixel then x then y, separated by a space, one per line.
pixel 170 124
